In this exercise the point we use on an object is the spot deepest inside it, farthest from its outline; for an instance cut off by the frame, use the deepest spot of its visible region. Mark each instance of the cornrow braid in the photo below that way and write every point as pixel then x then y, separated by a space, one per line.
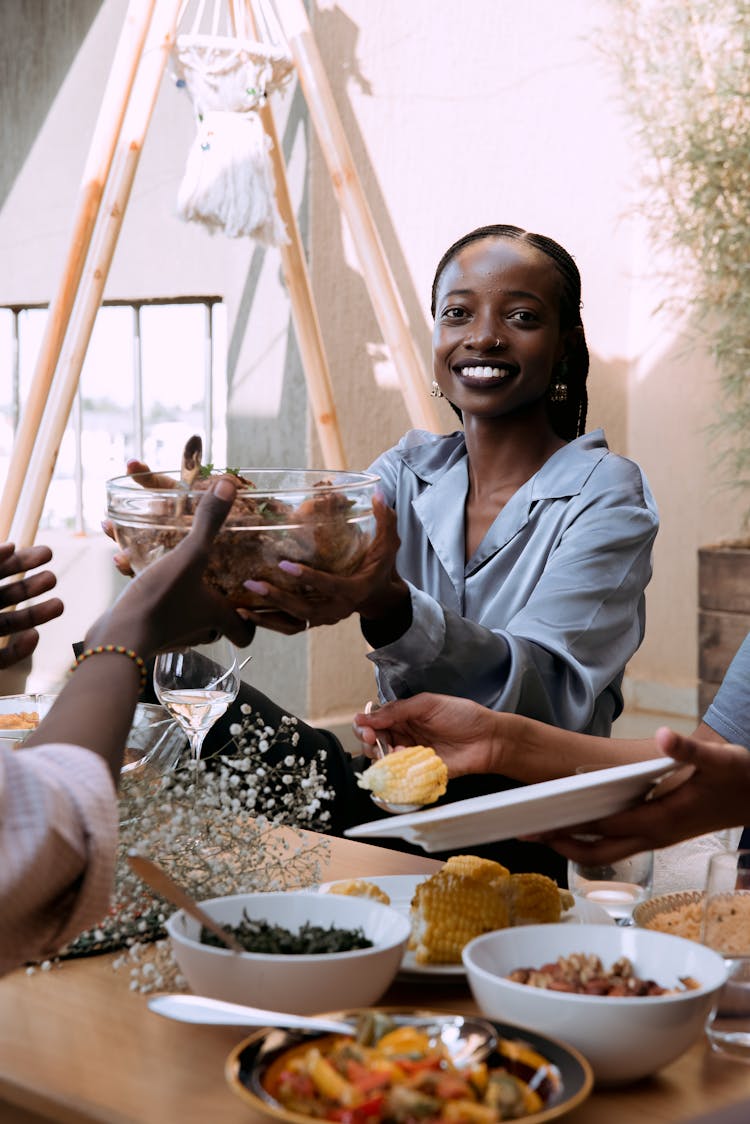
pixel 568 418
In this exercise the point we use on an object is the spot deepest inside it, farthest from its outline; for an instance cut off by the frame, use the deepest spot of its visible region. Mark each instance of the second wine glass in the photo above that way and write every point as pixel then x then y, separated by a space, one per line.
pixel 196 685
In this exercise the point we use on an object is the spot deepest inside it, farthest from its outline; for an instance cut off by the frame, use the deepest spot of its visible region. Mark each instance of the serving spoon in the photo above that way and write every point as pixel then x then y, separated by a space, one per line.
pixel 158 879
pixel 384 749
pixel 190 467
pixel 191 462
pixel 468 1040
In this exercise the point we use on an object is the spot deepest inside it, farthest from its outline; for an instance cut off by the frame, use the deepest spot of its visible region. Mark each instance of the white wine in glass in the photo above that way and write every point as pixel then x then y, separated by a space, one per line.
pixel 196 685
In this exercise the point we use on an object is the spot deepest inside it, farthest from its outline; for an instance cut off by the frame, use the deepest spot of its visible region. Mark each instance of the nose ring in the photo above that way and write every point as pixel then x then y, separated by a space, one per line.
pixel 497 343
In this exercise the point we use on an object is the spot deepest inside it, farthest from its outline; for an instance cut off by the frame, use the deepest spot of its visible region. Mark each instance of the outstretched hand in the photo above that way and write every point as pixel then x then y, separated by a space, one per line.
pixel 463 733
pixel 147 479
pixel 21 624
pixel 168 605
pixel 314 597
pixel 712 793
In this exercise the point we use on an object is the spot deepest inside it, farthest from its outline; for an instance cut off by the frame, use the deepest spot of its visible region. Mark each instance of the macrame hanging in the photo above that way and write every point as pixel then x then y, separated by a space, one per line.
pixel 228 182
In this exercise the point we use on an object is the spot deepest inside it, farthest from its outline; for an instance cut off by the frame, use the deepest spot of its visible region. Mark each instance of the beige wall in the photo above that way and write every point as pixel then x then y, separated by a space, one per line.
pixel 457 115
pixel 481 112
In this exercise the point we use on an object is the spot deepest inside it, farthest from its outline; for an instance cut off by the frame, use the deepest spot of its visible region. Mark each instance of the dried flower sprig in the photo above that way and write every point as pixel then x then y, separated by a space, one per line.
pixel 234 824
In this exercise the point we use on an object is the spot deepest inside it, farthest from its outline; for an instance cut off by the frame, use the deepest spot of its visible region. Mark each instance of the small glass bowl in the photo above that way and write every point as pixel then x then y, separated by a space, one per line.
pixel 21 714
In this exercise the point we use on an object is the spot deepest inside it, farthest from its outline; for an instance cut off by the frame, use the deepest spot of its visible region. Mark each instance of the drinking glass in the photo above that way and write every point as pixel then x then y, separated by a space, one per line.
pixel 617 887
pixel 196 685
pixel 726 927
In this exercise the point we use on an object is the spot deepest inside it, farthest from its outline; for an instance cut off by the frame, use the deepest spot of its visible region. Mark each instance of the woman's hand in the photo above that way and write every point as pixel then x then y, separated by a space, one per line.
pixel 467 736
pixel 169 605
pixel 712 793
pixel 374 590
pixel 21 624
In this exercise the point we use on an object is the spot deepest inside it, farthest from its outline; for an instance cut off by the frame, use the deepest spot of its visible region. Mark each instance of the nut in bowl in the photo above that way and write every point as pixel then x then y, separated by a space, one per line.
pixel 299 983
pixel 625 1038
pixel 320 519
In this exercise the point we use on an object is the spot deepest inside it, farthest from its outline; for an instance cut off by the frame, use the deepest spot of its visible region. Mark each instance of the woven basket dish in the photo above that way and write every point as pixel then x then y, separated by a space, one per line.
pixel 646 913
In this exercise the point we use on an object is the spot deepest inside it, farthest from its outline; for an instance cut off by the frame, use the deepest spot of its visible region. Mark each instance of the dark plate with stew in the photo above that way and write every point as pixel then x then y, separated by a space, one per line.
pixel 258 1068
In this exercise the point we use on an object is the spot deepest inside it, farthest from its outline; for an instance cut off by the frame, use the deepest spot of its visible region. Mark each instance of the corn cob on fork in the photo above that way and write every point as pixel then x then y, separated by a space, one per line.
pixel 405 781
pixel 415 774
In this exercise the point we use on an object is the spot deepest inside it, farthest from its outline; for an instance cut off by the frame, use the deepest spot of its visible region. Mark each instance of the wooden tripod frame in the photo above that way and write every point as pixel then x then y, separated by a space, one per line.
pixel 141 56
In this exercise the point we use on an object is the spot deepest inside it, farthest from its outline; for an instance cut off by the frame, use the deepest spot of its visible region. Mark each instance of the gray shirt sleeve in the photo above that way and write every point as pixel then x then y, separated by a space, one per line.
pixel 729 713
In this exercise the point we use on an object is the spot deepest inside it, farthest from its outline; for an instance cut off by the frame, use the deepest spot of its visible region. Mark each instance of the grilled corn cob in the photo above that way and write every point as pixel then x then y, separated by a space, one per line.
pixel 415 775
pixel 467 897
pixel 534 899
pixel 359 888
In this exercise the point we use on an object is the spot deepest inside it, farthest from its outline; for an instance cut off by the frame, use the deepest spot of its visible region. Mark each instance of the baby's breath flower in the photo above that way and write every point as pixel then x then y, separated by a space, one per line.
pixel 213 828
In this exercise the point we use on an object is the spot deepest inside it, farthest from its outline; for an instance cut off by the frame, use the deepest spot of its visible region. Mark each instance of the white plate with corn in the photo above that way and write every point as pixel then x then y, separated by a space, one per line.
pixel 470 896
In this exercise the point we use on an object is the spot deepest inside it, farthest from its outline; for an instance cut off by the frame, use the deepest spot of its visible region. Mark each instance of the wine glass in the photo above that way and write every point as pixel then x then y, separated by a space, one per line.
pixel 196 685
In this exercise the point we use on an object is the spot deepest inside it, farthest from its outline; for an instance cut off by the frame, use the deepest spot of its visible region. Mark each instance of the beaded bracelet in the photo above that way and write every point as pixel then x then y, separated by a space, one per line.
pixel 119 651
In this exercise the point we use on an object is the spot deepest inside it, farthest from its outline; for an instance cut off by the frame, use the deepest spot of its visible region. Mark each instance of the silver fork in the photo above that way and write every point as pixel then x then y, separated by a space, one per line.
pixel 384 748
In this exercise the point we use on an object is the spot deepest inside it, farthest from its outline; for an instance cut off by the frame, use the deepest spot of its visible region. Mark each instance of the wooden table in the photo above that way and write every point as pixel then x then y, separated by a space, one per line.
pixel 76 1045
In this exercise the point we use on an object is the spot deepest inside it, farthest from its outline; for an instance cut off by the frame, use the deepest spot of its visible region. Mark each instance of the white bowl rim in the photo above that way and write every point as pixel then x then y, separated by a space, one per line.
pixel 286 957
pixel 619 1000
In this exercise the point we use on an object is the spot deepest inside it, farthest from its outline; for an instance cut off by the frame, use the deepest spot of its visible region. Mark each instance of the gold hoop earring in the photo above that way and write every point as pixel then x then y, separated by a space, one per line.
pixel 435 391
pixel 558 391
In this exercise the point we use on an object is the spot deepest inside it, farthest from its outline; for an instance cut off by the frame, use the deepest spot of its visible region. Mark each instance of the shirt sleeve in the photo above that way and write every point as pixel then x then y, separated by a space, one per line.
pixel 58 834
pixel 571 640
pixel 729 713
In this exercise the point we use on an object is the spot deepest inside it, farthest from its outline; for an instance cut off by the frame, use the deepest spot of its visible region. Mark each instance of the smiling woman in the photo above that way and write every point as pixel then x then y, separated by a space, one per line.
pixel 511 558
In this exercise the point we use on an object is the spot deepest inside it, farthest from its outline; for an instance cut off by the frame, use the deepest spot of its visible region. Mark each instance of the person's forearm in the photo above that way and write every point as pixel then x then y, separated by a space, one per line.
pixel 530 751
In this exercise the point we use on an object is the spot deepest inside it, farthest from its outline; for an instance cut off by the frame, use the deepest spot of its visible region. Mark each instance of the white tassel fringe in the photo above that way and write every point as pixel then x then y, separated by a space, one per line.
pixel 228 183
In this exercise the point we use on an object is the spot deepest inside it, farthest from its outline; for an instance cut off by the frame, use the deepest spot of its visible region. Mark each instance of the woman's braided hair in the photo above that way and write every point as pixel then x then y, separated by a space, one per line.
pixel 568 419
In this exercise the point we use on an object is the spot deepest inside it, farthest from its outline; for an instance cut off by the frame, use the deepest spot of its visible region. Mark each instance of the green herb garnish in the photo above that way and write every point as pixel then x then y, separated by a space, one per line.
pixel 262 936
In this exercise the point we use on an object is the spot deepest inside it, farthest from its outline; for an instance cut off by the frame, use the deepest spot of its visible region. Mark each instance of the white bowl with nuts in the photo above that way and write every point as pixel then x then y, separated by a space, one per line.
pixel 624 1032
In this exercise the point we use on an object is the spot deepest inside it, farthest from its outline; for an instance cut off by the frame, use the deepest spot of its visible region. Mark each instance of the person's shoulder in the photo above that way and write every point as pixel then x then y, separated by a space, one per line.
pixel 424 439
pixel 422 450
pixel 613 472
pixel 594 448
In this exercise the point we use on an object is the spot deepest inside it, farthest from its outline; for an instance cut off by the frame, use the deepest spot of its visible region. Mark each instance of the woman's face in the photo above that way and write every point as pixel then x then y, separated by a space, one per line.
pixel 497 330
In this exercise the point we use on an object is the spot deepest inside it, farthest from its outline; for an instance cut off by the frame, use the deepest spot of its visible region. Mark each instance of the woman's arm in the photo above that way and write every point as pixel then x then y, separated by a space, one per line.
pixel 166 606
pixel 58 810
pixel 473 739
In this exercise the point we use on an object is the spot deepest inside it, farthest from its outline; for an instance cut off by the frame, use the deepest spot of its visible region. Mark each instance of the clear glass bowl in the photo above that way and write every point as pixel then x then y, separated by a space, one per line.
pixel 321 519
pixel 20 714
pixel 155 740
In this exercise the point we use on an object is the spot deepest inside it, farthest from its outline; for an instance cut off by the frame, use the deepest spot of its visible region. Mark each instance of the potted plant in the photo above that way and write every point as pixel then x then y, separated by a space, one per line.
pixel 685 73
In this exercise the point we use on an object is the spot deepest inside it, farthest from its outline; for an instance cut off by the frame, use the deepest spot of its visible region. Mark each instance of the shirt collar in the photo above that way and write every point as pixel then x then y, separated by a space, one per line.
pixel 567 470
pixel 564 474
